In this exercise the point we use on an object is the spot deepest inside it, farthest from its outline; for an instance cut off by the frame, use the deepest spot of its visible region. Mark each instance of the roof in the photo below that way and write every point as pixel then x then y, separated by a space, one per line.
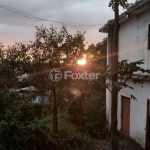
pixel 136 9
pixel 30 88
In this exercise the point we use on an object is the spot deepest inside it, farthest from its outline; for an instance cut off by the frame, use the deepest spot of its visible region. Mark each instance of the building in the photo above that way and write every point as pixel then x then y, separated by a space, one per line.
pixel 134 44
pixel 29 92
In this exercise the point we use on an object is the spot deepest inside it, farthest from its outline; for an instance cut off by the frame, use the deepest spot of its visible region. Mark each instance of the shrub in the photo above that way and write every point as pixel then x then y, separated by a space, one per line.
pixel 94 110
pixel 69 136
pixel 88 110
pixel 20 128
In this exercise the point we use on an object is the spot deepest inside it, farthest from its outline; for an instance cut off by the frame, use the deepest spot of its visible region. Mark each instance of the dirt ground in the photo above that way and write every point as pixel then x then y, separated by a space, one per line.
pixel 124 144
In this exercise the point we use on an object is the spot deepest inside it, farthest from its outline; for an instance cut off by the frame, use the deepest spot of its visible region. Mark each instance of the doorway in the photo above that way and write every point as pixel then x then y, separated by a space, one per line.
pixel 126 115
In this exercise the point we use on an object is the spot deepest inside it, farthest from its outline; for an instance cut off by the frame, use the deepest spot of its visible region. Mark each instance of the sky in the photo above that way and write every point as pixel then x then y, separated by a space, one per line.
pixel 17 28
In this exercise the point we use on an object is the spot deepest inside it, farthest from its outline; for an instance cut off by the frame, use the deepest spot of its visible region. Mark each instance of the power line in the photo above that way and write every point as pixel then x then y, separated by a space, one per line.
pixel 28 15
pixel 10 9
pixel 16 10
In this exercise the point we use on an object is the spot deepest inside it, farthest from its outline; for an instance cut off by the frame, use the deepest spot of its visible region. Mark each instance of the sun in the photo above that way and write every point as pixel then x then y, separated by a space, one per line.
pixel 82 61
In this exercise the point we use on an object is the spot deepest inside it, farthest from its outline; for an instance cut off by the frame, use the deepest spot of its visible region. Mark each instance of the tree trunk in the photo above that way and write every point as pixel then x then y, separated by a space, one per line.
pixel 55 111
pixel 115 142
pixel 115 139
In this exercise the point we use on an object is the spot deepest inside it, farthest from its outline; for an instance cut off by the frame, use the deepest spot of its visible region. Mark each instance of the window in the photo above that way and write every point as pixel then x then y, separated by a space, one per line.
pixel 149 36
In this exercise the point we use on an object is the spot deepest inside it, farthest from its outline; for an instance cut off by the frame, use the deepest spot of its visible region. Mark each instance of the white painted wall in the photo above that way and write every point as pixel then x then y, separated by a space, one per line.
pixel 108 109
pixel 133 41
pixel 108 95
pixel 138 111
pixel 133 46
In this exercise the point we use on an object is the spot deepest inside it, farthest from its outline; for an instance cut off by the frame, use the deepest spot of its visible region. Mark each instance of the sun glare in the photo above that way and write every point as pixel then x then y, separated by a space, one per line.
pixel 82 61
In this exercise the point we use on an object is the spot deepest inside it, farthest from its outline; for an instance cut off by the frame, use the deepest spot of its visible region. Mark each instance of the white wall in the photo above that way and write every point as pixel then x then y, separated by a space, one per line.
pixel 138 111
pixel 133 39
pixel 108 94
pixel 108 109
pixel 133 46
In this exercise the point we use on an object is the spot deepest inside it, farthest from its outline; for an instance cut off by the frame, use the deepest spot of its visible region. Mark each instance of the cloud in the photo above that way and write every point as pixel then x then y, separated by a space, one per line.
pixel 15 27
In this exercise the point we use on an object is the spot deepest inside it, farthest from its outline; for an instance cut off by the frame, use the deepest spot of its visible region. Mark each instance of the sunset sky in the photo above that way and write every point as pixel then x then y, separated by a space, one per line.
pixel 17 28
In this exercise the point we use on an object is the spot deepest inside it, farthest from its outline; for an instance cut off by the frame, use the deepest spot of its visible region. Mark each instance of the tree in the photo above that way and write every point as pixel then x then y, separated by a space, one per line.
pixel 88 103
pixel 14 61
pixel 53 49
pixel 97 58
pixel 21 127
pixel 97 54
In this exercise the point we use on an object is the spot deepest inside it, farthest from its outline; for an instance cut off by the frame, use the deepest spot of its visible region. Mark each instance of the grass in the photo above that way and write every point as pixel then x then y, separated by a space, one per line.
pixel 70 135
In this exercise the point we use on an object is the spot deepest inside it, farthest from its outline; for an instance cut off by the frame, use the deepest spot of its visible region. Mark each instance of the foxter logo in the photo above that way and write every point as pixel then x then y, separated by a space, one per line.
pixel 55 75
pixel 85 75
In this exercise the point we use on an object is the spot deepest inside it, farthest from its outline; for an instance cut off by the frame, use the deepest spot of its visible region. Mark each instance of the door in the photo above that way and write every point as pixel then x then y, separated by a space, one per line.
pixel 126 115
pixel 148 125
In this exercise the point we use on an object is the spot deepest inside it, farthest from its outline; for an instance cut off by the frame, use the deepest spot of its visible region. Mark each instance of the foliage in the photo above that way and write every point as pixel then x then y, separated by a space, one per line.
pixel 75 137
pixel 20 128
pixel 94 110
pixel 28 126
pixel 88 108
pixel 97 54
pixel 53 49
pixel 126 71
pixel 14 61
pixel 87 104
pixel 122 3
pixel 97 59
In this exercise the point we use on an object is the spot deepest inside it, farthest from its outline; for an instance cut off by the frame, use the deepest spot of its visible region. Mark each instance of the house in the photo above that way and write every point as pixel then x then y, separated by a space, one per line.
pixel 37 99
pixel 134 44
pixel 30 91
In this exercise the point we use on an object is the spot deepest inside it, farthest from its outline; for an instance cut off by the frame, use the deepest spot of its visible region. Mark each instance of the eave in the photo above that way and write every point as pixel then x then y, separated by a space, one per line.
pixel 136 9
